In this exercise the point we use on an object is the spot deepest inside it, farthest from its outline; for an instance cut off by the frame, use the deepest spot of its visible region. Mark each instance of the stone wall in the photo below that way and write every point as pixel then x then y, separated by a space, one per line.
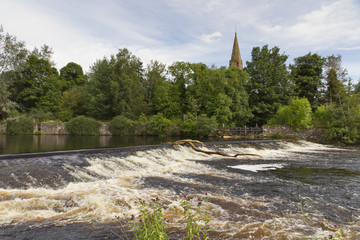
pixel 51 128
pixel 312 134
pixel 57 128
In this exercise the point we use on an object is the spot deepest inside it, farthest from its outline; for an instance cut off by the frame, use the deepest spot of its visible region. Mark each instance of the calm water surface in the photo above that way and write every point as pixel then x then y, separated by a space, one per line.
pixel 32 143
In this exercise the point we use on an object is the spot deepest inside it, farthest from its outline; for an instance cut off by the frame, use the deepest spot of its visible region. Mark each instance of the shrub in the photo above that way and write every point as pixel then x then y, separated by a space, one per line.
pixel 41 115
pixel 158 125
pixel 121 125
pixel 189 127
pixel 65 115
pixel 339 132
pixel 203 126
pixel 206 126
pixel 140 125
pixel 19 125
pixel 83 126
pixel 297 114
pixel 323 116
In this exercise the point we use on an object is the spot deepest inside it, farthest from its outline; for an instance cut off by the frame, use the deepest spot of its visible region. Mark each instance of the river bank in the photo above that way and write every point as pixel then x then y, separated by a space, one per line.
pixel 312 134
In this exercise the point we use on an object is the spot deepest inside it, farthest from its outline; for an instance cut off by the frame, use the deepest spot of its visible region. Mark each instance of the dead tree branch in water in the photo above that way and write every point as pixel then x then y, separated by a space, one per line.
pixel 191 143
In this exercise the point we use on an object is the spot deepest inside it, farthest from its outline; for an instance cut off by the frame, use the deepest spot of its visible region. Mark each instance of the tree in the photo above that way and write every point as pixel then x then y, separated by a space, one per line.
pixel 128 94
pixel 357 88
pixel 180 78
pixel 39 85
pixel 306 74
pixel 236 90
pixel 157 89
pixel 12 56
pixel 115 87
pixel 73 75
pixel 335 79
pixel 72 103
pixel 269 86
pixel 297 114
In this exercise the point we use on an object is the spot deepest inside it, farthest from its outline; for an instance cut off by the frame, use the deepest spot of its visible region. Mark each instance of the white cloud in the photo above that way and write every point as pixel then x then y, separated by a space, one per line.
pixel 337 23
pixel 171 30
pixel 212 37
pixel 349 48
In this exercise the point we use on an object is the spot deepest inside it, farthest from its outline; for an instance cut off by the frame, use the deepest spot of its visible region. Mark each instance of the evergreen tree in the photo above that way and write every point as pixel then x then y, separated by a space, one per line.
pixel 306 74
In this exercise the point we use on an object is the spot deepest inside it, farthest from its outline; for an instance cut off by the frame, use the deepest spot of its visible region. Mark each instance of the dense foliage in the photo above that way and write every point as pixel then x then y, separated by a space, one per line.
pixel 191 99
pixel 82 125
pixel 19 125
pixel 297 114
pixel 121 125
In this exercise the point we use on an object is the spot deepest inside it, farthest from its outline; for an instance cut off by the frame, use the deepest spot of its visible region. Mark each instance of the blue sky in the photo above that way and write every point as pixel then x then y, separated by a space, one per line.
pixel 83 31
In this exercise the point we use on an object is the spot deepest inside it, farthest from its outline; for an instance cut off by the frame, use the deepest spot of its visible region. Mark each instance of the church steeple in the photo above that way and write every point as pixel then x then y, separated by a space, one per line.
pixel 235 55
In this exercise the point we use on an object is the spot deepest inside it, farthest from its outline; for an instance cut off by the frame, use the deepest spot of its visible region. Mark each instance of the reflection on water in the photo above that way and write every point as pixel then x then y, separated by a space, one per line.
pixel 47 143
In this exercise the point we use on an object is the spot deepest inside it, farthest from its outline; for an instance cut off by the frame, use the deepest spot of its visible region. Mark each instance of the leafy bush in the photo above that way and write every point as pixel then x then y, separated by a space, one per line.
pixel 202 126
pixel 339 132
pixel 158 125
pixel 65 115
pixel 121 125
pixel 297 114
pixel 323 116
pixel 19 125
pixel 83 126
pixel 140 125
pixel 206 125
pixel 40 115
pixel 189 127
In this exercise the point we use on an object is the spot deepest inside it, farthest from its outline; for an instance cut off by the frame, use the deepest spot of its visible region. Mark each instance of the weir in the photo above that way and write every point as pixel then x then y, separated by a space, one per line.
pixel 60 195
pixel 116 149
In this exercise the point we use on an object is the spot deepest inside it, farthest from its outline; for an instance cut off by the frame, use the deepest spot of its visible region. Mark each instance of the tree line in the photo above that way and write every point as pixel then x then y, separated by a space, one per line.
pixel 267 91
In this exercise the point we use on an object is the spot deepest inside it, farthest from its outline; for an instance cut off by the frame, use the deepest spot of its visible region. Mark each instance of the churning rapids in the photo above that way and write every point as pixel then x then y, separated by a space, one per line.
pixel 78 196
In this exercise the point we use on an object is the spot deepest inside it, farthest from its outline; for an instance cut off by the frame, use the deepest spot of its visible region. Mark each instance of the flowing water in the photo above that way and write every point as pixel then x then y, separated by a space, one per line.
pixel 78 196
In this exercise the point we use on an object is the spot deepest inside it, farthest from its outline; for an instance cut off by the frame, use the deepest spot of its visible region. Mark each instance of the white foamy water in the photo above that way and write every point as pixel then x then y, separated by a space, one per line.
pixel 108 186
pixel 258 167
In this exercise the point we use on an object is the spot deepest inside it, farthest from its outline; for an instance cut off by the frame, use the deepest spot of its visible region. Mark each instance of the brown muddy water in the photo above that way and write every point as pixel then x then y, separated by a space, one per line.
pixel 79 196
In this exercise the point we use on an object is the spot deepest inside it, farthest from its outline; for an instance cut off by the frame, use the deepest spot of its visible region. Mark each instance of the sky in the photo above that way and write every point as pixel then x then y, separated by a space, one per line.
pixel 84 31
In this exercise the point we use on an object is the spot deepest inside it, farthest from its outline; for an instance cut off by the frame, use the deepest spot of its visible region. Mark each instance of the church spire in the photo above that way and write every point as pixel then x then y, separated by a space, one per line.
pixel 235 56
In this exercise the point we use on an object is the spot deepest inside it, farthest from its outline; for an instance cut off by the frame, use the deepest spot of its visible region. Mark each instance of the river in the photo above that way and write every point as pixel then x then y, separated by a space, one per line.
pixel 79 196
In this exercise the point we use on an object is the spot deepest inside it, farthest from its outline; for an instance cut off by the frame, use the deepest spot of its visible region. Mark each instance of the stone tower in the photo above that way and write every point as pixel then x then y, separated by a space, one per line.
pixel 235 55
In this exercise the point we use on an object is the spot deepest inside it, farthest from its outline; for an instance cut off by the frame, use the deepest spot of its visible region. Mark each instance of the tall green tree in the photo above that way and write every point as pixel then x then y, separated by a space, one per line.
pixel 73 102
pixel 269 86
pixel 335 79
pixel 236 89
pixel 73 75
pixel 115 87
pixel 12 56
pixel 180 77
pixel 219 92
pixel 357 88
pixel 157 89
pixel 306 74
pixel 39 85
